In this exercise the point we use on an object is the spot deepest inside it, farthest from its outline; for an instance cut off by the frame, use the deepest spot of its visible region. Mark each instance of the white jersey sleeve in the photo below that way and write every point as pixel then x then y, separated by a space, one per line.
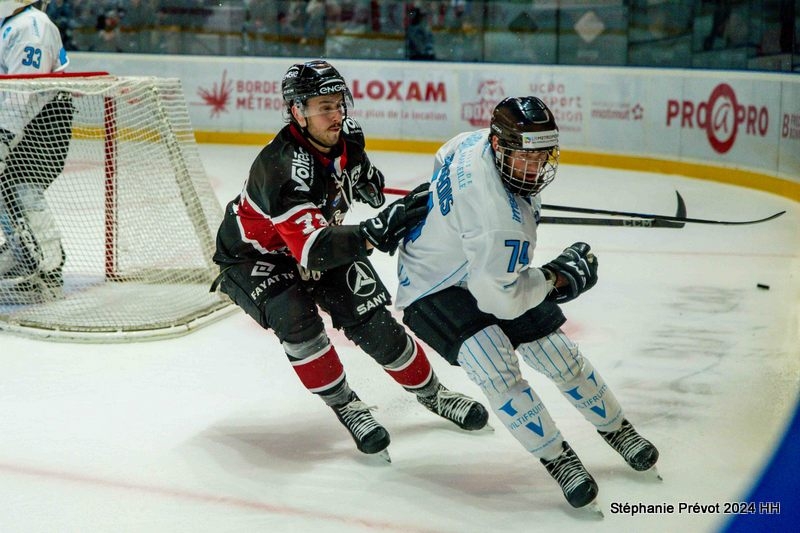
pixel 476 235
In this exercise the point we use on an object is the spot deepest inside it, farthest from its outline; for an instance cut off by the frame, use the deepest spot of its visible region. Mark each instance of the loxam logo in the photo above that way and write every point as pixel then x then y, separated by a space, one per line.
pixel 722 117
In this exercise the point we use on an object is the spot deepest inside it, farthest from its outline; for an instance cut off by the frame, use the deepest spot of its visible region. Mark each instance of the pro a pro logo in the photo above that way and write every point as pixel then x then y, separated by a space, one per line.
pixel 361 280
pixel 722 117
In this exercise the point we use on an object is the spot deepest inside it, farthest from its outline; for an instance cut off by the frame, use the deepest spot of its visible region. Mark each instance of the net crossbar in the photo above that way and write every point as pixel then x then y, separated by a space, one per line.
pixel 107 215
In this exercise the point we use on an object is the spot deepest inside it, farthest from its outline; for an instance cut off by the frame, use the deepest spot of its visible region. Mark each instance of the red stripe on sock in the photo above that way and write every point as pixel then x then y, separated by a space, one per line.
pixel 416 372
pixel 320 372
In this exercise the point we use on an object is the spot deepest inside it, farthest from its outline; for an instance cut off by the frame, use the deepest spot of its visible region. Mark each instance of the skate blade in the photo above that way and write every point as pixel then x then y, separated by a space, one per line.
pixel 485 429
pixel 594 509
pixel 381 457
pixel 384 455
pixel 654 471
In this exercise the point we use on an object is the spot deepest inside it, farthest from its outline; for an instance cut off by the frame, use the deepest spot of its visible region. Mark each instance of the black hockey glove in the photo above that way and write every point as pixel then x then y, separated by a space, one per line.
pixel 578 266
pixel 389 227
pixel 369 188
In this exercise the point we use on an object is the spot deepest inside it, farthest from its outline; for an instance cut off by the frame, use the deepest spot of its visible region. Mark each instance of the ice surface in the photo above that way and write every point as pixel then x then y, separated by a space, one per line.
pixel 212 432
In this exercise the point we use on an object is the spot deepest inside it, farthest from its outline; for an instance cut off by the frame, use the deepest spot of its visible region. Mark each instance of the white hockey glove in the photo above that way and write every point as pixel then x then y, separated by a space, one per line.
pixel 578 267
pixel 369 188
pixel 389 227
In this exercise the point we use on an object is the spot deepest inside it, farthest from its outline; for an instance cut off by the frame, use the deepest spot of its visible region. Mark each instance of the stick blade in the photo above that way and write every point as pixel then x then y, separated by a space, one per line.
pixel 681 213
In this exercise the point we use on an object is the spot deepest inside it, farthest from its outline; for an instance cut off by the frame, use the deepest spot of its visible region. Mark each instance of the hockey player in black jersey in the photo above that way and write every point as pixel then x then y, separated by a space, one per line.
pixel 284 255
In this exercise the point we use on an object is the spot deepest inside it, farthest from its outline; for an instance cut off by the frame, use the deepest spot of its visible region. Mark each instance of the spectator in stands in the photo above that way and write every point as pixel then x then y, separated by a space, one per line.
pixel 108 37
pixel 720 21
pixel 137 25
pixel 419 37
pixel 63 16
pixel 315 20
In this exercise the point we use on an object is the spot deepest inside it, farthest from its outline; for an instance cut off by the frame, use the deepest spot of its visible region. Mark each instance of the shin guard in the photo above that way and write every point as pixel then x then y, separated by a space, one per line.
pixel 412 369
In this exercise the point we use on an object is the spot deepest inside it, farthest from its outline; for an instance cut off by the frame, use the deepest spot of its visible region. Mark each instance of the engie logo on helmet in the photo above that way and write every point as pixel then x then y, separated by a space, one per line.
pixel 721 117
pixel 333 89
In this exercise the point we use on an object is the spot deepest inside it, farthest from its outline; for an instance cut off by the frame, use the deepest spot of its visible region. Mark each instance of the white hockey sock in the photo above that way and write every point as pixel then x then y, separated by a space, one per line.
pixel 526 417
pixel 590 394
pixel 491 363
pixel 560 359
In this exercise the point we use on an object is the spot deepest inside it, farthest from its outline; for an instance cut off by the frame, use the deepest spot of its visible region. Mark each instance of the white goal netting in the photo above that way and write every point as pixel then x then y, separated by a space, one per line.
pixel 107 216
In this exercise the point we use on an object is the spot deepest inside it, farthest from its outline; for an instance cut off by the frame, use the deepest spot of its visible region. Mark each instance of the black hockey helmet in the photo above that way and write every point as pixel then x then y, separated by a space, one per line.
pixel 527 152
pixel 313 78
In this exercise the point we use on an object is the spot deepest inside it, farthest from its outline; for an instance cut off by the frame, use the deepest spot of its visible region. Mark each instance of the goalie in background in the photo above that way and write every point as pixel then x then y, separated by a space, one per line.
pixel 285 254
pixel 468 288
pixel 35 132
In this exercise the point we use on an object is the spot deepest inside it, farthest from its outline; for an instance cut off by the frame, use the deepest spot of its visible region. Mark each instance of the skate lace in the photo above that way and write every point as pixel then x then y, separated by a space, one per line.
pixel 626 441
pixel 451 405
pixel 568 471
pixel 356 416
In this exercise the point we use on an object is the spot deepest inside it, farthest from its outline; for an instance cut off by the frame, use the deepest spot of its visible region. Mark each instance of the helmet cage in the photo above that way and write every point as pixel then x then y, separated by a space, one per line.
pixel 526 172
pixel 524 136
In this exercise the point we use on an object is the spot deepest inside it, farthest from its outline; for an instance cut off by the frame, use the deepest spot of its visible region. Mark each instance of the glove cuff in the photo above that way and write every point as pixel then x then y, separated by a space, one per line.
pixel 550 275
pixel 363 228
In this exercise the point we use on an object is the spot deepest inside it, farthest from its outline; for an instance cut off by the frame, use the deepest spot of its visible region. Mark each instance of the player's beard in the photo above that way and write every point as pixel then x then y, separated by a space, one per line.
pixel 327 138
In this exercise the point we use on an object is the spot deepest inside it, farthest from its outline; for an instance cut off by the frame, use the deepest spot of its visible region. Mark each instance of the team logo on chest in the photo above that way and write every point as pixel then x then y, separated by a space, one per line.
pixel 360 279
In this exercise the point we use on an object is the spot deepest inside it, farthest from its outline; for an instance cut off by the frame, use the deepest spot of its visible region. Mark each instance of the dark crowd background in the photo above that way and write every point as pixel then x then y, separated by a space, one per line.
pixel 715 34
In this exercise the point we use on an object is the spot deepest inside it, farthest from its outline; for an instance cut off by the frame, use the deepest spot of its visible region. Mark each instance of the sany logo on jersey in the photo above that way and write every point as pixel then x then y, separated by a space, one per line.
pixel 721 116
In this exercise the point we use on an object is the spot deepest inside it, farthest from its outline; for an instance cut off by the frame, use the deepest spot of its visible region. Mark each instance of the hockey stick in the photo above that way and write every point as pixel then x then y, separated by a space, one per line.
pixel 631 223
pixel 680 217
pixel 624 222
pixel 658 222
pixel 638 220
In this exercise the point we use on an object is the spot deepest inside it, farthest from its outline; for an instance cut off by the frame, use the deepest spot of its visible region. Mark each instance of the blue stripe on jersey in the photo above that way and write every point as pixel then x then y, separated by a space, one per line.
pixel 445 281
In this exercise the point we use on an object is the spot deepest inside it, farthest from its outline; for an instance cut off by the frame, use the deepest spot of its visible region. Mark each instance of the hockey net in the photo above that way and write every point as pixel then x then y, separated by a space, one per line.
pixel 132 208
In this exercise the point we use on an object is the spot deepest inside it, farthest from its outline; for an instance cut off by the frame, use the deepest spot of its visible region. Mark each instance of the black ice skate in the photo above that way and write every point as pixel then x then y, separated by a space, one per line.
pixel 370 437
pixel 637 451
pixel 577 484
pixel 462 410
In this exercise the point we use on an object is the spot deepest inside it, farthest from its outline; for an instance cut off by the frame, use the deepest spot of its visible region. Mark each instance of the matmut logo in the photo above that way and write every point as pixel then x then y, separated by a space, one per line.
pixel 479 114
pixel 721 116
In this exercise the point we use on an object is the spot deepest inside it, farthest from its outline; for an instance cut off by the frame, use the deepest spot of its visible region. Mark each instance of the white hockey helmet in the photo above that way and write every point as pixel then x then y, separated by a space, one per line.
pixel 7 7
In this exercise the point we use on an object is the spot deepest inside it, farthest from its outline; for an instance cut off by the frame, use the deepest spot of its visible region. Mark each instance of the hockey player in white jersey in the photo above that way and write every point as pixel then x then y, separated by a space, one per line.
pixel 35 132
pixel 469 288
